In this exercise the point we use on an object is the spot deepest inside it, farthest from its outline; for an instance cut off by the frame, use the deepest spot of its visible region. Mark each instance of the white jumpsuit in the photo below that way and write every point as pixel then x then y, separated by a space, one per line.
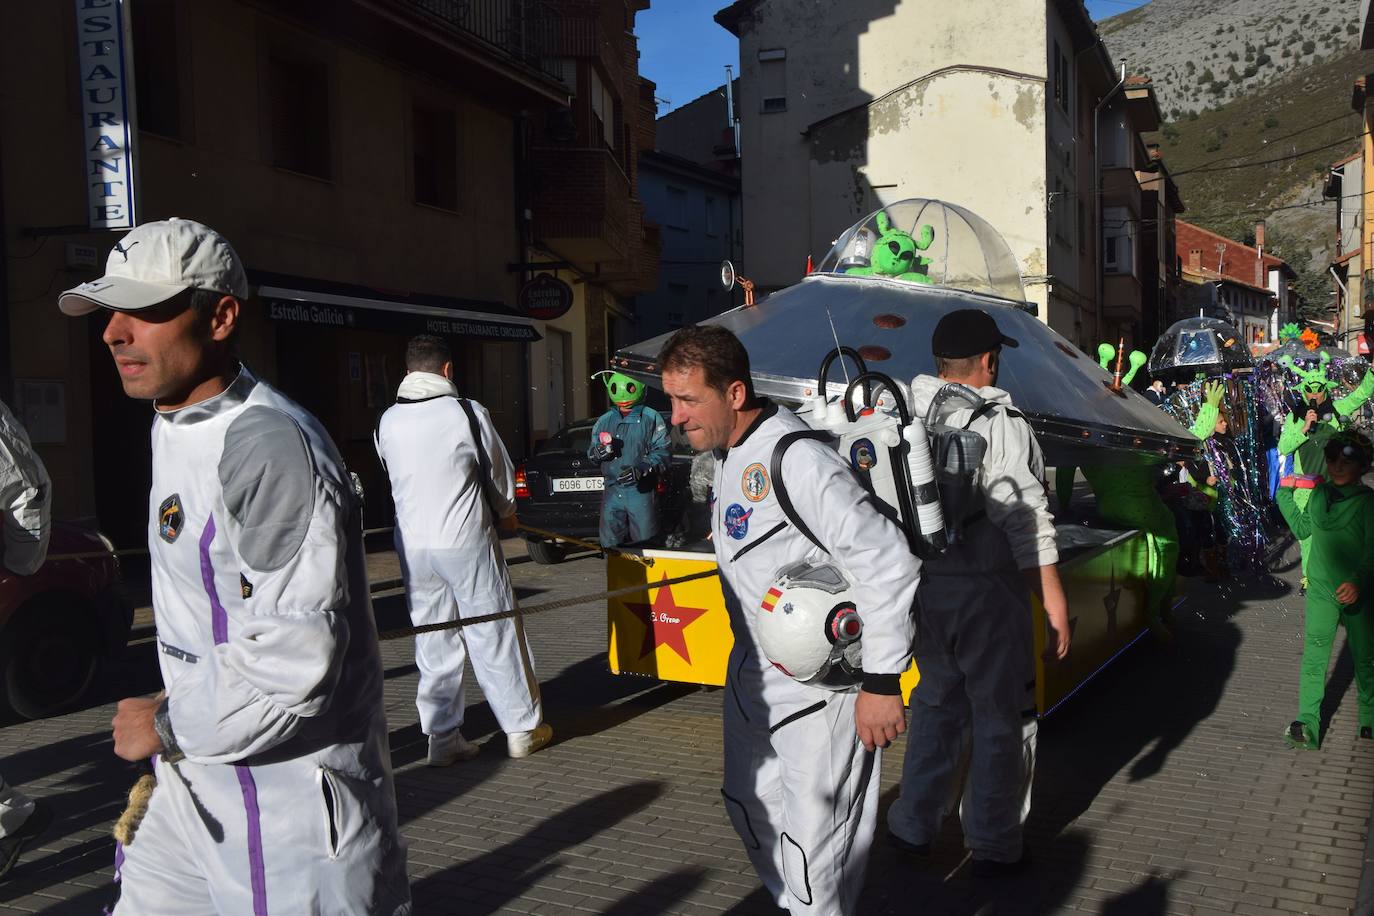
pixel 451 555
pixel 25 504
pixel 974 705
pixel 283 802
pixel 799 787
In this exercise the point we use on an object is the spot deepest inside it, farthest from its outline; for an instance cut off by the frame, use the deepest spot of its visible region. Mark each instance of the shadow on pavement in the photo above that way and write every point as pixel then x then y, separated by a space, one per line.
pixel 1149 899
pixel 1134 714
pixel 659 895
pixel 524 861
pixel 1342 676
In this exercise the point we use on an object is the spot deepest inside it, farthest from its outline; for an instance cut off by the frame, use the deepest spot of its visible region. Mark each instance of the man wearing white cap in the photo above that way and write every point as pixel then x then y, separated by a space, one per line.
pixel 274 790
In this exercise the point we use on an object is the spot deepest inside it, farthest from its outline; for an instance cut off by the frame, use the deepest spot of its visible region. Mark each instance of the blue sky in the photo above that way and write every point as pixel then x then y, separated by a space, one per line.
pixel 683 50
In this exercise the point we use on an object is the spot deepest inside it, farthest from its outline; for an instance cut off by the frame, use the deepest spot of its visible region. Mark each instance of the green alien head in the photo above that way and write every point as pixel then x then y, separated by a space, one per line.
pixel 1312 384
pixel 624 392
pixel 895 253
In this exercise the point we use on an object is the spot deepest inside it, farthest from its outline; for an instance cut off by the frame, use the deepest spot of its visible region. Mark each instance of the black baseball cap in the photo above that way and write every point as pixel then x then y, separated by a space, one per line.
pixel 967 332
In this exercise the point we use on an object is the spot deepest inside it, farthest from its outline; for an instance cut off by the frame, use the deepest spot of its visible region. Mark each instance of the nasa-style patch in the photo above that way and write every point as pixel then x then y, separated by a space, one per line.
pixel 737 521
pixel 862 455
pixel 755 483
pixel 170 518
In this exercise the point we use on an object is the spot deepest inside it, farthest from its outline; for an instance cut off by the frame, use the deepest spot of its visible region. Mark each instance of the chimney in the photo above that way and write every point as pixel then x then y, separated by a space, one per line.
pixel 1259 236
pixel 1195 260
pixel 1259 258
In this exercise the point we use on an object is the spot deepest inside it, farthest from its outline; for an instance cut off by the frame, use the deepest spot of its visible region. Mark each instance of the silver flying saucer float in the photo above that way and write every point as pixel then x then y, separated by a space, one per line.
pixel 1193 346
pixel 882 288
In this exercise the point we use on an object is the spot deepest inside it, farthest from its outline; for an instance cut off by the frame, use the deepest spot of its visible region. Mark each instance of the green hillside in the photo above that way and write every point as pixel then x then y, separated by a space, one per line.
pixel 1263 156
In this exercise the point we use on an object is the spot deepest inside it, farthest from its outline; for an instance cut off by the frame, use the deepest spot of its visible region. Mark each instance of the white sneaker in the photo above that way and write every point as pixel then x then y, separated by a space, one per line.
pixel 446 750
pixel 522 744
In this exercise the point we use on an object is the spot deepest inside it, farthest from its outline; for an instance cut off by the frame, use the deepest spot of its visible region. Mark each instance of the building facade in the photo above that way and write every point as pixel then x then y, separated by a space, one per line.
pixel 374 164
pixel 587 220
pixel 847 107
pixel 1244 286
pixel 698 213
pixel 1345 188
pixel 691 189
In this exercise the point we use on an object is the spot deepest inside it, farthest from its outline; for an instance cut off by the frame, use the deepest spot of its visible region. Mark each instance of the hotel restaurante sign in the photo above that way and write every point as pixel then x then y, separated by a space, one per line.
pixel 107 112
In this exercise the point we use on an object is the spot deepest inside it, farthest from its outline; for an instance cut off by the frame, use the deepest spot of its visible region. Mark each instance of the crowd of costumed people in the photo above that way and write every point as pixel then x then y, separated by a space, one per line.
pixel 1263 418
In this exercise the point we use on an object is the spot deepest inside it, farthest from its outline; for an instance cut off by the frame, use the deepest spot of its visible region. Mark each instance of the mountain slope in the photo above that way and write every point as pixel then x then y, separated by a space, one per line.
pixel 1204 53
pixel 1260 148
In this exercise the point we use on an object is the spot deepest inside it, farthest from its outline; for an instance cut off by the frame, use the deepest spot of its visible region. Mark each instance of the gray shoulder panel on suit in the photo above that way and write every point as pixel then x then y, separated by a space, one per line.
pixel 269 486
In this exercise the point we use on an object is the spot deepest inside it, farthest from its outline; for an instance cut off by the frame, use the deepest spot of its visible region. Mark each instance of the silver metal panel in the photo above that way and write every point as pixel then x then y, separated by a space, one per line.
pixel 1077 417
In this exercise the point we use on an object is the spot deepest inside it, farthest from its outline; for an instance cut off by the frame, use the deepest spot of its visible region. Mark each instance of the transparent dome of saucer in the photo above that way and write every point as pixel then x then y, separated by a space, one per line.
pixel 929 243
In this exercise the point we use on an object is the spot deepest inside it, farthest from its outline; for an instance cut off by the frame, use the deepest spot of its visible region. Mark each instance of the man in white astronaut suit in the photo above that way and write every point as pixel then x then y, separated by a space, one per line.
pixel 801 762
pixel 975 700
pixel 25 514
pixel 274 790
pixel 453 485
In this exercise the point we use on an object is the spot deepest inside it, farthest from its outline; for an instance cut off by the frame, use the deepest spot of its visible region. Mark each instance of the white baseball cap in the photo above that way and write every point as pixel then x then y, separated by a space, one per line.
pixel 157 261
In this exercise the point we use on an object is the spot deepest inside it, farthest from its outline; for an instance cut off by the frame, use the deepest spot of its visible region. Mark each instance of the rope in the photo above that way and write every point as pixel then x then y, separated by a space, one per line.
pixel 542 608
pixel 367 532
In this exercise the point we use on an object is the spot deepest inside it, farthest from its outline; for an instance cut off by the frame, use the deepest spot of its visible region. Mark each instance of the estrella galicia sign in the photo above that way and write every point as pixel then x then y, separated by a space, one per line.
pixel 170 518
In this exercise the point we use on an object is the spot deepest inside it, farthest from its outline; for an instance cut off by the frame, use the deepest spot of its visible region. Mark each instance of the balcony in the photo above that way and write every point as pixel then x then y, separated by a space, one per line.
pixel 522 32
pixel 582 204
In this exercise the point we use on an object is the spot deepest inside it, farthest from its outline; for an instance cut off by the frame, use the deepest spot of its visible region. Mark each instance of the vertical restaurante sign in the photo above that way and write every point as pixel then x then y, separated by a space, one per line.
pixel 107 112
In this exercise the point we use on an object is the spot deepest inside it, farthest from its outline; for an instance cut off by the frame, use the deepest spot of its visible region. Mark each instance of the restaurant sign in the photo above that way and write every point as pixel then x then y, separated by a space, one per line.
pixel 107 113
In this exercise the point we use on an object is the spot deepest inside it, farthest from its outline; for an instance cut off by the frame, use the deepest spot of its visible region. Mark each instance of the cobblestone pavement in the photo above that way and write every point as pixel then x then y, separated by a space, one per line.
pixel 1162 787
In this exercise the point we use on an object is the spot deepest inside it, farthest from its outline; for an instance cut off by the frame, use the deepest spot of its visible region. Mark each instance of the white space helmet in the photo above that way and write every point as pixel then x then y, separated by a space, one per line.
pixel 809 627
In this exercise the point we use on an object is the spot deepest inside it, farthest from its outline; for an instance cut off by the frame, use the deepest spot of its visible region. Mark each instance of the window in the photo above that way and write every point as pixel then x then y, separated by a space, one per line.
pixel 677 208
pixel 1059 211
pixel 299 100
pixel 157 72
pixel 1118 241
pixel 603 112
pixel 677 304
pixel 773 80
pixel 434 143
pixel 1115 139
pixel 1062 78
pixel 710 214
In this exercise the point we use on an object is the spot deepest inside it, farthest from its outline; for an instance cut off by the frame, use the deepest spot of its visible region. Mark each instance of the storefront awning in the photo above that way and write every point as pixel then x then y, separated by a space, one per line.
pixel 342 305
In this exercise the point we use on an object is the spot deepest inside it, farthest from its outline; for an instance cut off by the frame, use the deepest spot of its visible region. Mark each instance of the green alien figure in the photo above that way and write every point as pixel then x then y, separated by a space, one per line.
pixel 895 254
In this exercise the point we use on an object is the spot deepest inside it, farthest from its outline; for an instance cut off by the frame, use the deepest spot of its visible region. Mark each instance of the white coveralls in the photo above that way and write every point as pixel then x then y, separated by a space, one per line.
pixel 283 802
pixel 25 501
pixel 799 787
pixel 974 705
pixel 451 555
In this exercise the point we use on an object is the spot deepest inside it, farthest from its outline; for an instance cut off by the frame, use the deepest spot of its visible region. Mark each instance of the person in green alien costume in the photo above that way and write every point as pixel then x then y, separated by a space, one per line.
pixel 1336 521
pixel 1127 495
pixel 1306 432
pixel 630 442
pixel 895 254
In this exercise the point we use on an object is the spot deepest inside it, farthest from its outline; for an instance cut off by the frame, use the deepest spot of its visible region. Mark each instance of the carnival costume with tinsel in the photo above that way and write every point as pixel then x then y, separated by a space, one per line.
pixel 1336 523
pixel 635 453
pixel 1307 448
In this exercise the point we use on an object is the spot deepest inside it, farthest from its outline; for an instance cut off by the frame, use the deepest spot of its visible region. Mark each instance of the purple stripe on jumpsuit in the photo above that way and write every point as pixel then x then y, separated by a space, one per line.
pixel 219 624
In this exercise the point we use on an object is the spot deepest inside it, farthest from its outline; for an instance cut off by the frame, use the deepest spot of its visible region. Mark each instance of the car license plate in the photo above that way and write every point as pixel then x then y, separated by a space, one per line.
pixel 578 484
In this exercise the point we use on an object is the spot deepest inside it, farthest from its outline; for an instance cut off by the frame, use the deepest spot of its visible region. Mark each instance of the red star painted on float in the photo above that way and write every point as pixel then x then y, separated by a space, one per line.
pixel 665 622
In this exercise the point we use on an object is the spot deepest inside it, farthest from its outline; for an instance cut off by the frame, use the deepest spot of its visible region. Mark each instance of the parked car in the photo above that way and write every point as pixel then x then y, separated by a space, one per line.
pixel 558 489
pixel 59 625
